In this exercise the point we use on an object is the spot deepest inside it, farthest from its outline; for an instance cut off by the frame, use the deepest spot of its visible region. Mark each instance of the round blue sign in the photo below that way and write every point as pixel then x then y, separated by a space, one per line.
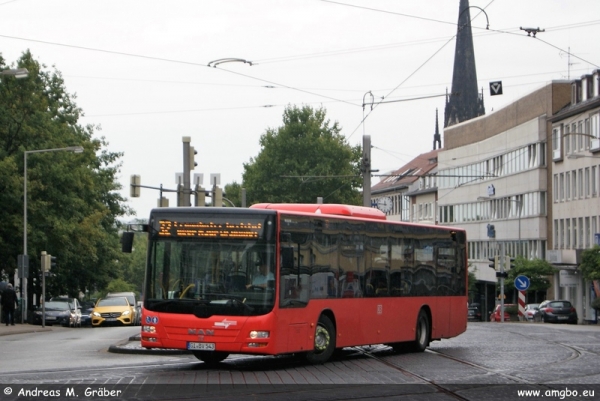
pixel 522 283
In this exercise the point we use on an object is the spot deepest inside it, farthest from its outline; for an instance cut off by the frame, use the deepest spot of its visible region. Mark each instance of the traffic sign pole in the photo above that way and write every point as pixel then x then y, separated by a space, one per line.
pixel 522 284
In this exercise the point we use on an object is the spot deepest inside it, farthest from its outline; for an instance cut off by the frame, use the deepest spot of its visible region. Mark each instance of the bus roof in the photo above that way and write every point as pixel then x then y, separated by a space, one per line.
pixel 325 208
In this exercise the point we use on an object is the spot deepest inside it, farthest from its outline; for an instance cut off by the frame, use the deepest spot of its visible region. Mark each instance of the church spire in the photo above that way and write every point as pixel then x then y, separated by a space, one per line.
pixel 437 138
pixel 464 102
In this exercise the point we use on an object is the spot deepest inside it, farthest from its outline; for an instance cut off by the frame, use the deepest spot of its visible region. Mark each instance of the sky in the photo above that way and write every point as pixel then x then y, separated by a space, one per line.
pixel 142 70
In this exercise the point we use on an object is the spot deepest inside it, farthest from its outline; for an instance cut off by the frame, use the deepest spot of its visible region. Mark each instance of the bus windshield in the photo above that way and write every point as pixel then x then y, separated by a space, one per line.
pixel 209 274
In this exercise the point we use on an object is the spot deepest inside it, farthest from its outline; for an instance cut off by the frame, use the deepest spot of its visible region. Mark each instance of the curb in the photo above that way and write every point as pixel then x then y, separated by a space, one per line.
pixel 128 348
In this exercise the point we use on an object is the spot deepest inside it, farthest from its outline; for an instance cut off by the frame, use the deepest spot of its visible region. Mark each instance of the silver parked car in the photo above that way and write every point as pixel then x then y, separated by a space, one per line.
pixel 532 312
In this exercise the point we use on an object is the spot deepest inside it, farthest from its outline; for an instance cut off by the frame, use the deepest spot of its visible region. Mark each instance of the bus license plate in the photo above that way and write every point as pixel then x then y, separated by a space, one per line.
pixel 201 346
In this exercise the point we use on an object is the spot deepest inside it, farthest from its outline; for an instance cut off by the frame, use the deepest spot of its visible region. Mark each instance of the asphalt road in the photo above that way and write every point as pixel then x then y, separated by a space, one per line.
pixel 489 361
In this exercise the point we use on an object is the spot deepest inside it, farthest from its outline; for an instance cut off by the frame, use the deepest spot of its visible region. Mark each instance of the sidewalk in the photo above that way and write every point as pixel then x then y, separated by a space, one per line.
pixel 23 328
pixel 131 345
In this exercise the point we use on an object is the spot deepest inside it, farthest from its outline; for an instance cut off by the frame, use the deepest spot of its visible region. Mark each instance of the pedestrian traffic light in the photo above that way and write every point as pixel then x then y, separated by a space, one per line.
pixel 494 264
pixel 52 261
pixel 509 263
pixel 193 153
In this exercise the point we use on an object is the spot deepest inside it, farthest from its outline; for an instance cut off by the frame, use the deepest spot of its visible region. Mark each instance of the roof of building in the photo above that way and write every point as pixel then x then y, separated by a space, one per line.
pixel 407 174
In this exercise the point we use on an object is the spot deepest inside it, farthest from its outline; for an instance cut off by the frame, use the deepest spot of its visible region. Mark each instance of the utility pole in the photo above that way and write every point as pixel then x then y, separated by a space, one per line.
pixel 188 164
pixel 366 170
pixel 502 259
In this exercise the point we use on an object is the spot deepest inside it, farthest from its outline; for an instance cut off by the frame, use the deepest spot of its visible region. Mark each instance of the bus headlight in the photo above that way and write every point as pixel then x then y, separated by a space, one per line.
pixel 259 334
pixel 149 329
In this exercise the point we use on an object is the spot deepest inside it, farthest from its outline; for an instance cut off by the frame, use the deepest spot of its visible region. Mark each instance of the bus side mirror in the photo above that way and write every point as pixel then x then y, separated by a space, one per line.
pixel 127 242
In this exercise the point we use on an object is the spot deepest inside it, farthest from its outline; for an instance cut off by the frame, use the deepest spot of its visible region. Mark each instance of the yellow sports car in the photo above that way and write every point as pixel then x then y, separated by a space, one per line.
pixel 113 311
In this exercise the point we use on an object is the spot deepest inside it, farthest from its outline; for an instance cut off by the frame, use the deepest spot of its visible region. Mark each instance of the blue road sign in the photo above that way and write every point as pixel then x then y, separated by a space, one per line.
pixel 522 283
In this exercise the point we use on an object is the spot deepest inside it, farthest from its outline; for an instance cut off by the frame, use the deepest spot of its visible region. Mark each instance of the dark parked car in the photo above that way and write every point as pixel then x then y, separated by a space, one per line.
pixel 474 313
pixel 86 312
pixel 558 311
pixel 58 312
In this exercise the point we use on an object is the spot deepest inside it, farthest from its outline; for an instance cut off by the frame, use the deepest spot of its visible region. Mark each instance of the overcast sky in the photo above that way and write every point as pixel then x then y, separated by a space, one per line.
pixel 140 70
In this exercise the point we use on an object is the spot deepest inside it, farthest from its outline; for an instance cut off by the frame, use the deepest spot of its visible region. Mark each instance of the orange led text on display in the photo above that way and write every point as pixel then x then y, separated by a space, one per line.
pixel 199 229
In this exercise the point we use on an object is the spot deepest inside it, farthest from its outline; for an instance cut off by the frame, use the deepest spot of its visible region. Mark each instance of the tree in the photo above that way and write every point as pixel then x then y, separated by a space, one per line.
pixel 537 270
pixel 305 158
pixel 73 203
pixel 233 192
pixel 590 263
pixel 133 265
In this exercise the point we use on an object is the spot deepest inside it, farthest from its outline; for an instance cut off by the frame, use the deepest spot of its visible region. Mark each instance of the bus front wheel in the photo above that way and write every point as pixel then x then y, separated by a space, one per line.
pixel 211 357
pixel 422 333
pixel 324 341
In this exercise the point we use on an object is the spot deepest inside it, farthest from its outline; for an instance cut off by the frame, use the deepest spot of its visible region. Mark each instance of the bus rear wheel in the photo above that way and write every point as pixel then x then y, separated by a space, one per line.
pixel 211 357
pixel 324 341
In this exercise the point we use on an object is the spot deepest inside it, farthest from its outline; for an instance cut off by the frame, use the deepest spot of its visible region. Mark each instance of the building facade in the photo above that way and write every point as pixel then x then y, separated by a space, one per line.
pixel 493 181
pixel 574 218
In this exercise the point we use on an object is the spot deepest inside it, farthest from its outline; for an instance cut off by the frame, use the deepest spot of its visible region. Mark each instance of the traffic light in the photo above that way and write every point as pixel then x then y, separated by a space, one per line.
pixel 509 263
pixel 134 188
pixel 193 153
pixel 501 274
pixel 200 198
pixel 52 261
pixel 494 264
pixel 218 199
pixel 44 261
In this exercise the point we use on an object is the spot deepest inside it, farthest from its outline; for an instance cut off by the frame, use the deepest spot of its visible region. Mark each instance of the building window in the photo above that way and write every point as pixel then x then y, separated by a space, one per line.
pixel 588 234
pixel 580 183
pixel 561 234
pixel 587 182
pixel 556 140
pixel 593 182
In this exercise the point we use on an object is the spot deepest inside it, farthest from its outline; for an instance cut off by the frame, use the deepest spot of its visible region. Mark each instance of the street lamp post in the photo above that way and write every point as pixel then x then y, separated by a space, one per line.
pixel 23 284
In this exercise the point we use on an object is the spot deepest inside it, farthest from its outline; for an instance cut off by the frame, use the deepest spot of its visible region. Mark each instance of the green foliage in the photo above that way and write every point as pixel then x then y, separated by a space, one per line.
pixel 72 201
pixel 596 304
pixel 305 158
pixel 537 270
pixel 234 194
pixel 133 265
pixel 472 282
pixel 590 263
pixel 512 310
pixel 119 285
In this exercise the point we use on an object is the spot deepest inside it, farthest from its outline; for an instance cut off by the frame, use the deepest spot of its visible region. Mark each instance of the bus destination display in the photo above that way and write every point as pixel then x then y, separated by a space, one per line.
pixel 210 229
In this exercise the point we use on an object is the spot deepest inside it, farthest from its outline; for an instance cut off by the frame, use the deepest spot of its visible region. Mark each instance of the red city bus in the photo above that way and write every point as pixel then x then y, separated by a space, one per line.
pixel 299 278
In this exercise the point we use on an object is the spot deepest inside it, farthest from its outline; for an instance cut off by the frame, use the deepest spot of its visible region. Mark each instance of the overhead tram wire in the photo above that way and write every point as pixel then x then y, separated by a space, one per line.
pixel 411 74
pixel 179 62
